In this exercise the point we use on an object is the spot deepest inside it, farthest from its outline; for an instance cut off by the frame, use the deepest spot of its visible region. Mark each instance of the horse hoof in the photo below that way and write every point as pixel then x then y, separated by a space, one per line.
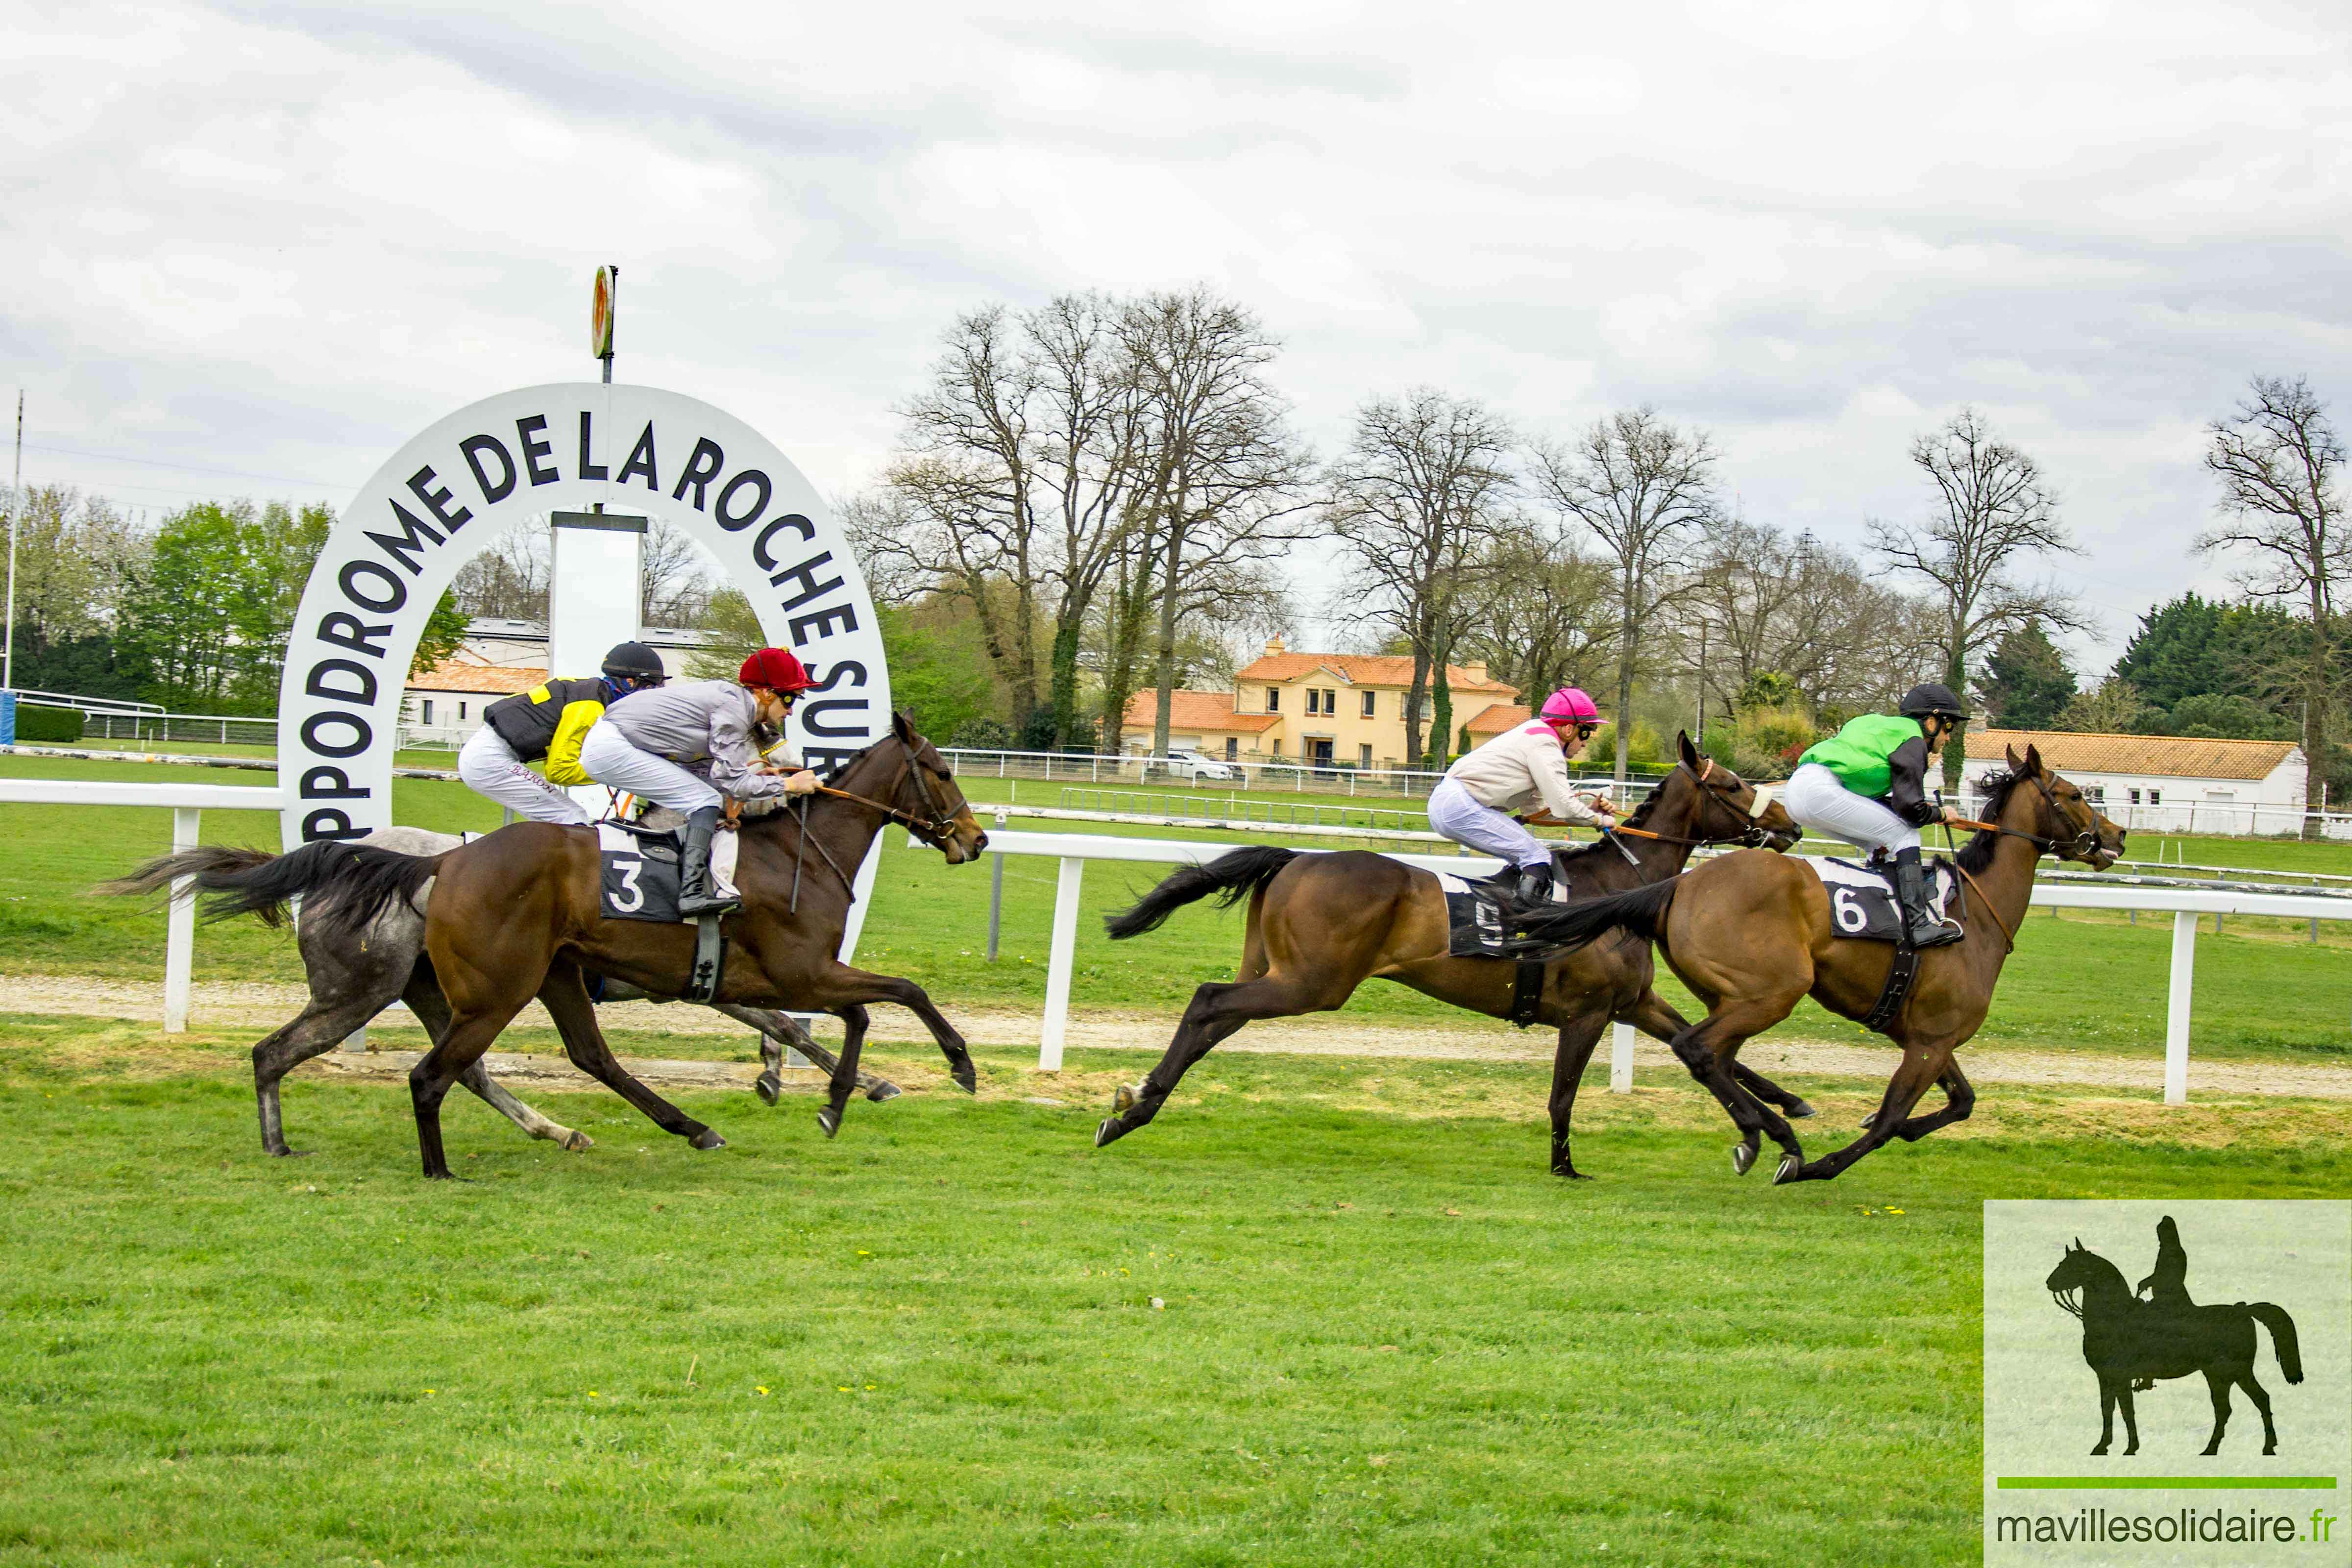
pixel 881 1092
pixel 1788 1170
pixel 830 1120
pixel 574 1140
pixel 707 1139
pixel 1801 1109
pixel 1743 1158
pixel 1109 1132
pixel 967 1080
pixel 1123 1100
pixel 768 1089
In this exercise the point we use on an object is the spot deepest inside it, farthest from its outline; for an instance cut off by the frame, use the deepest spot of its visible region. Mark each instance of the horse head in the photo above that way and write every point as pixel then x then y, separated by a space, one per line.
pixel 1725 801
pixel 926 791
pixel 2072 827
pixel 2081 1270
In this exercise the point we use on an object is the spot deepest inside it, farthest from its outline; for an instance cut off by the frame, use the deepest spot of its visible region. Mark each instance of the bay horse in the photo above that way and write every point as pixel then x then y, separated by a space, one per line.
pixel 1751 935
pixel 2127 1342
pixel 353 975
pixel 1322 924
pixel 519 914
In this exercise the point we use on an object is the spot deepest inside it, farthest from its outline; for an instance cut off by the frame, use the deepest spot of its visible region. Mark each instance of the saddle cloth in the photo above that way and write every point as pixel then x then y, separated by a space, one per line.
pixel 1474 916
pixel 639 871
pixel 1863 903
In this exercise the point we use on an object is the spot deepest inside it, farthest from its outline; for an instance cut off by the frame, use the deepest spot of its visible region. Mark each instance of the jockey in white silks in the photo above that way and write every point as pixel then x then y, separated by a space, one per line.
pixel 690 747
pixel 1476 802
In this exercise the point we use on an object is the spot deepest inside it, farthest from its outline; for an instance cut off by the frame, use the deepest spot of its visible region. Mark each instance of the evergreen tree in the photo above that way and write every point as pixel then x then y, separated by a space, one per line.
pixel 2026 683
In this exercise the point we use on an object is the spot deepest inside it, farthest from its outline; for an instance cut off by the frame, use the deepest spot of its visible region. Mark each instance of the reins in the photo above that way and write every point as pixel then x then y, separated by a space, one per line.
pixel 934 828
pixel 2044 845
pixel 1752 835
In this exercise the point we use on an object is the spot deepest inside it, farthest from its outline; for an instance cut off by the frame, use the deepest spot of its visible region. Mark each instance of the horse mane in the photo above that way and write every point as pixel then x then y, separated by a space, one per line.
pixel 2102 1268
pixel 1640 816
pixel 1976 853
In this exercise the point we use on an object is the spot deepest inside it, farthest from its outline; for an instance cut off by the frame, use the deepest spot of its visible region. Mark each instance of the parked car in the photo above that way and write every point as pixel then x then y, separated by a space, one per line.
pixel 1191 766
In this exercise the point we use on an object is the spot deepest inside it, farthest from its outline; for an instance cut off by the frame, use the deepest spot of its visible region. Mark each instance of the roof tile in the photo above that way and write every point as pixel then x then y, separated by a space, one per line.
pixel 2168 756
pixel 1362 669
pixel 1212 711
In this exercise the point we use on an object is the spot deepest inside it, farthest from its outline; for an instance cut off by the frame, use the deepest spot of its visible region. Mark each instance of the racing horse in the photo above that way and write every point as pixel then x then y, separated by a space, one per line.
pixel 354 979
pixel 1751 936
pixel 519 914
pixel 1322 924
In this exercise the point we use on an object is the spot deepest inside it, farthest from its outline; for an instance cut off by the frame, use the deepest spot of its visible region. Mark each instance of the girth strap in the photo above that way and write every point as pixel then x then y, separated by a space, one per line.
pixel 709 960
pixel 1526 991
pixel 1899 977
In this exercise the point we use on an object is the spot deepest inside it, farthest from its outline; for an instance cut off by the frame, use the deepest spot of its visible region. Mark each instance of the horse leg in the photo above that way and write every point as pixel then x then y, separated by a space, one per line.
pixel 778 1030
pixel 2217 1383
pixel 316 1030
pixel 843 985
pixel 430 1079
pixel 1708 1049
pixel 2261 1398
pixel 1922 1064
pixel 425 1000
pixel 1959 1101
pixel 854 1021
pixel 2107 1415
pixel 1654 1018
pixel 1218 1009
pixel 1577 1036
pixel 566 996
pixel 1793 1106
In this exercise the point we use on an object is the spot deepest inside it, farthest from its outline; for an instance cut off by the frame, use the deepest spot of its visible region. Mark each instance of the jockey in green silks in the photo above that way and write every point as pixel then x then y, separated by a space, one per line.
pixel 1867 785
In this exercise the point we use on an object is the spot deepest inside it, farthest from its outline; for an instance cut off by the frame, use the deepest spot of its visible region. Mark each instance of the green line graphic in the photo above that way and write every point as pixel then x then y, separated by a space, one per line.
pixel 2165 1483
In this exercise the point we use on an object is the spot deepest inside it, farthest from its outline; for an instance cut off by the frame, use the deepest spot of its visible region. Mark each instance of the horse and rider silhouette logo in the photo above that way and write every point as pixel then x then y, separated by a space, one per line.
pixel 2131 1342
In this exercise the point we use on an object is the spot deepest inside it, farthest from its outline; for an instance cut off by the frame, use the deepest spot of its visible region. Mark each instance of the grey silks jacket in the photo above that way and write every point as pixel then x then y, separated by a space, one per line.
pixel 704 726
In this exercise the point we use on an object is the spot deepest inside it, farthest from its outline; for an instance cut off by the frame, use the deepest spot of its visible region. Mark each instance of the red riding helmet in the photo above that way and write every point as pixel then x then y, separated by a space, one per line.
pixel 776 668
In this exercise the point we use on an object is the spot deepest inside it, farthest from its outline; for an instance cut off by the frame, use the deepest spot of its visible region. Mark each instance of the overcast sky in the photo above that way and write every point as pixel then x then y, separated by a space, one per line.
pixel 279 239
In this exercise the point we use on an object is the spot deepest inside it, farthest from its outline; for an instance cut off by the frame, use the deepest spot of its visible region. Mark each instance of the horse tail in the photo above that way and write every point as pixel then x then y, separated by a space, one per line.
pixel 345 886
pixel 1578 921
pixel 2283 1337
pixel 1231 877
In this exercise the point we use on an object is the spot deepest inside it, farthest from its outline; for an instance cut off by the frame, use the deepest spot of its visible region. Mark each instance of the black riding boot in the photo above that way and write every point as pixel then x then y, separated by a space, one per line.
pixel 1534 886
pixel 1911 889
pixel 696 894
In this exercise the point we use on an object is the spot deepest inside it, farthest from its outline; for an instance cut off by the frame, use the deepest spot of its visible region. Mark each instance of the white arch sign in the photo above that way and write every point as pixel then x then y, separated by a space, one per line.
pixel 451 491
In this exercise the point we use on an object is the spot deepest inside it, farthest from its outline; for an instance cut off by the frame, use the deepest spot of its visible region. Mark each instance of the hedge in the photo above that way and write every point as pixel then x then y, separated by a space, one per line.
pixel 47 725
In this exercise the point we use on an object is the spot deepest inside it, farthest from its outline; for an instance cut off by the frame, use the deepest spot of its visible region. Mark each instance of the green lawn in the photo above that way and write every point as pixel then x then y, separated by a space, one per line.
pixel 1387 1337
pixel 2087 981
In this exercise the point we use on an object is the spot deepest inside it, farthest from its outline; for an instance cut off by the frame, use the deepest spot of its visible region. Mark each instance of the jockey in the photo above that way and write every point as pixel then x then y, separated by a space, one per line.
pixel 1867 785
pixel 690 745
pixel 1523 764
pixel 550 722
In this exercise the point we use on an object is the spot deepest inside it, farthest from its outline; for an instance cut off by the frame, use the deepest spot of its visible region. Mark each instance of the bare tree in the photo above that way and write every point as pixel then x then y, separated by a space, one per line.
pixel 1419 498
pixel 1222 483
pixel 674 583
pixel 1645 487
pixel 509 580
pixel 1996 508
pixel 1540 613
pixel 2279 457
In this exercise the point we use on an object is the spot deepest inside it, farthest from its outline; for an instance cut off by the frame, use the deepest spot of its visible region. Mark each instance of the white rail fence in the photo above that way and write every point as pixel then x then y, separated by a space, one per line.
pixel 1074 850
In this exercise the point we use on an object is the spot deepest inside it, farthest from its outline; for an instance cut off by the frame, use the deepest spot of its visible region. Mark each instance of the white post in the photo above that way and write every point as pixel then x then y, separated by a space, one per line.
pixel 1059 963
pixel 2175 1017
pixel 180 927
pixel 1621 1059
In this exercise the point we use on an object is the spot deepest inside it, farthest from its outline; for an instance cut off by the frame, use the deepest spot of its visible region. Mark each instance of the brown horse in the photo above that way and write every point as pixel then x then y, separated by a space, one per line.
pixel 1322 924
pixel 1751 936
pixel 519 914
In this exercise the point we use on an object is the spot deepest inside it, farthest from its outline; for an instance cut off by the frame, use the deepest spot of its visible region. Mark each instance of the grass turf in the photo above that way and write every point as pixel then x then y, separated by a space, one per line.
pixel 1386 1335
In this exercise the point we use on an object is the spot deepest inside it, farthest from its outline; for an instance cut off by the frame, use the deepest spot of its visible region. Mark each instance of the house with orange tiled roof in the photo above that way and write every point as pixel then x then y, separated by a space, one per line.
pixel 1326 708
pixel 2166 783
pixel 443 706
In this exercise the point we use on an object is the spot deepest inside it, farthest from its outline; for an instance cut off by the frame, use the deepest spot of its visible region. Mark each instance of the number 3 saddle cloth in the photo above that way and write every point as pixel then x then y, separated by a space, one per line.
pixel 639 867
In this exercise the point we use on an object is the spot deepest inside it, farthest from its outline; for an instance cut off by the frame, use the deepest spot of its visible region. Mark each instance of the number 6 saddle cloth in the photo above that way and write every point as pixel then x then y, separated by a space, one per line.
pixel 1863 902
pixel 639 867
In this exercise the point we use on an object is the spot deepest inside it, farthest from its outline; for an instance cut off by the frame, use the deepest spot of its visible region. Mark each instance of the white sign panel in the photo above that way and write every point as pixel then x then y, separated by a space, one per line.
pixel 453 489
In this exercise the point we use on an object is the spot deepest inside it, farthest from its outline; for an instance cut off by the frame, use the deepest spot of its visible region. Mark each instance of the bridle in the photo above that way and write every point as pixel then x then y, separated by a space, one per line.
pixel 1755 835
pixel 933 828
pixel 2074 849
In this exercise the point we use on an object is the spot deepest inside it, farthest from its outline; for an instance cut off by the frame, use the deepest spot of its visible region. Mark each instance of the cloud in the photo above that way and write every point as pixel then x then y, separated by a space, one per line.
pixel 281 237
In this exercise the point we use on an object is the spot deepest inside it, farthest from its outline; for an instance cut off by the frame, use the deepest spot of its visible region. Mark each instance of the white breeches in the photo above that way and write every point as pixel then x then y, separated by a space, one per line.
pixel 490 767
pixel 1815 798
pixel 1461 817
pixel 606 756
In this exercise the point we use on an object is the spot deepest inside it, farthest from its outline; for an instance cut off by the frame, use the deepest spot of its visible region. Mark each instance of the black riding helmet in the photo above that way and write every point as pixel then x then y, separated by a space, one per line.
pixel 636 662
pixel 1931 698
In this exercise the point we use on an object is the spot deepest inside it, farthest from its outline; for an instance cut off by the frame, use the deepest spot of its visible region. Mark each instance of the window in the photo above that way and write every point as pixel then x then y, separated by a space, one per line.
pixel 2097 794
pixel 1364 753
pixel 1233 748
pixel 2156 797
pixel 1330 703
pixel 1314 701
pixel 1274 699
pixel 1367 713
pixel 428 710
pixel 1278 745
pixel 2134 797
pixel 461 712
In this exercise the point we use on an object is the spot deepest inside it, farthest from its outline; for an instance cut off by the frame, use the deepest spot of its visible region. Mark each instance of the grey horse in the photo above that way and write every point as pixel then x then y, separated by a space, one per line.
pixel 352 984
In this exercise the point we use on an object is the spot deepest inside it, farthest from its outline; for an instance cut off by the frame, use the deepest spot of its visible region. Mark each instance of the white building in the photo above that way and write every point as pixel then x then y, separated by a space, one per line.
pixel 2165 783
pixel 443 706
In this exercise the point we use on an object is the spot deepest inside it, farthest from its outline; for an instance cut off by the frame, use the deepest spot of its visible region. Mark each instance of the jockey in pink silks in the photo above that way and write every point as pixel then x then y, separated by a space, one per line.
pixel 1475 804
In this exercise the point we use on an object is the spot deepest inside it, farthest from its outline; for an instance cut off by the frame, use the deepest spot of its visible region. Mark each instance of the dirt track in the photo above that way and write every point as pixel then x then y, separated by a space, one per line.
pixel 261 1008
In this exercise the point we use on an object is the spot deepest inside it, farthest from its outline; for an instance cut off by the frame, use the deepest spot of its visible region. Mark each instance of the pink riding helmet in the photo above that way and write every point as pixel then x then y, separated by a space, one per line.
pixel 1569 705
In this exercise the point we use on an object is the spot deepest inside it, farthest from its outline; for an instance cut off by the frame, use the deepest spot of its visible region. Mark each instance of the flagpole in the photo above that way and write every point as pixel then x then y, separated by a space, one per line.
pixel 15 506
